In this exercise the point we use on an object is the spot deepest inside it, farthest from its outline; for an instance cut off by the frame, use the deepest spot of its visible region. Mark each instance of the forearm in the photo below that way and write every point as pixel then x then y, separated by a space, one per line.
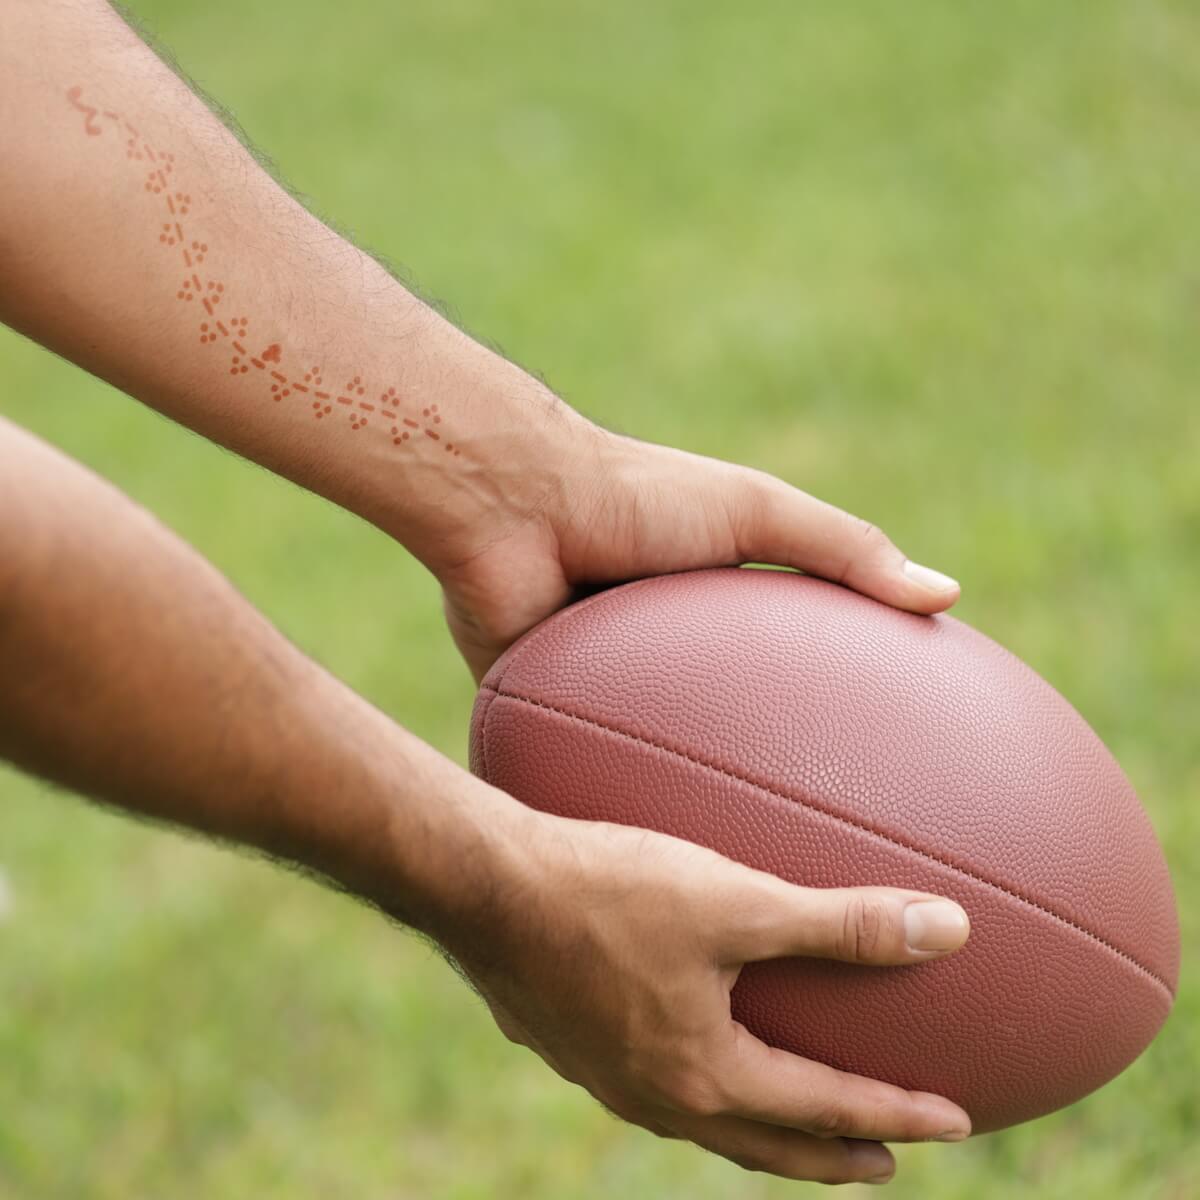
pixel 139 239
pixel 131 671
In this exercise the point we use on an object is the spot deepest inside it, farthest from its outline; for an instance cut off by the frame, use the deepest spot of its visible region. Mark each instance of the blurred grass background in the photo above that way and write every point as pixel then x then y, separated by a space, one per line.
pixel 936 263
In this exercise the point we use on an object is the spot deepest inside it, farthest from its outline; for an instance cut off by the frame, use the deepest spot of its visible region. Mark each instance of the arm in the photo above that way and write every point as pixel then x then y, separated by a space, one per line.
pixel 147 682
pixel 131 671
pixel 140 239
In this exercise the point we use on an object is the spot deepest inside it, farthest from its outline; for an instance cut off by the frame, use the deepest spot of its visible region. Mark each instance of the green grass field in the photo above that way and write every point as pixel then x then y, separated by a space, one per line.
pixel 938 263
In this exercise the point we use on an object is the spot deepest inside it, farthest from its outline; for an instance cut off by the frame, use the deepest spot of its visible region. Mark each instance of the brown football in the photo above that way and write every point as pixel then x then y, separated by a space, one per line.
pixel 806 730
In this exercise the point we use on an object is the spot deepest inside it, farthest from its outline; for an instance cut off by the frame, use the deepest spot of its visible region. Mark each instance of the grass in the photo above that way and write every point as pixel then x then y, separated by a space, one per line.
pixel 936 263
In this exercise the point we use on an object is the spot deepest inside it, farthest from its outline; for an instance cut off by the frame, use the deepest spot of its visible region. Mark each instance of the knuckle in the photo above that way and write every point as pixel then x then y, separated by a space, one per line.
pixel 766 487
pixel 661 1131
pixel 862 541
pixel 694 1094
pixel 751 1160
pixel 869 536
pixel 750 506
pixel 827 1121
pixel 510 1029
pixel 633 1114
pixel 646 1073
pixel 866 926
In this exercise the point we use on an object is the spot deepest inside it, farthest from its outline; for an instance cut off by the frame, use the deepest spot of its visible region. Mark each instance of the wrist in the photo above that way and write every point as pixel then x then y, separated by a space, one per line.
pixel 513 443
pixel 454 859
pixel 500 889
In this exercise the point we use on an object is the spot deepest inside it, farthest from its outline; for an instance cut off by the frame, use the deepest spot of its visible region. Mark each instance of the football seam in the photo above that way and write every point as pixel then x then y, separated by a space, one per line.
pixel 806 803
pixel 483 720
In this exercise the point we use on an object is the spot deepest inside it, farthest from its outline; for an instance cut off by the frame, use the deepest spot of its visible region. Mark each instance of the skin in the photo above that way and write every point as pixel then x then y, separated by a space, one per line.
pixel 609 951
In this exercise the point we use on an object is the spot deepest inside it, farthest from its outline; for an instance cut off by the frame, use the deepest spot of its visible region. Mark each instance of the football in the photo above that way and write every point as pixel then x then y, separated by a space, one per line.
pixel 806 730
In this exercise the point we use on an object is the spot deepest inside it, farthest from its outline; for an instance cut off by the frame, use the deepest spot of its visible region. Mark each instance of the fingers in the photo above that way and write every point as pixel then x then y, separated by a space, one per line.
pixel 789 1154
pixel 878 926
pixel 761 1083
pixel 781 525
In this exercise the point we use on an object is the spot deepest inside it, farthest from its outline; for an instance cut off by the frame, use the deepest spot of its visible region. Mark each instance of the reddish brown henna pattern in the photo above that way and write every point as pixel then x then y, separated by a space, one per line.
pixel 177 205
pixel 212 295
pixel 90 125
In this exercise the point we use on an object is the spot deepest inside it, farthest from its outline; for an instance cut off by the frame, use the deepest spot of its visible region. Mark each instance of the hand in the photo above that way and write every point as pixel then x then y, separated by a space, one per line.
pixel 616 968
pixel 602 509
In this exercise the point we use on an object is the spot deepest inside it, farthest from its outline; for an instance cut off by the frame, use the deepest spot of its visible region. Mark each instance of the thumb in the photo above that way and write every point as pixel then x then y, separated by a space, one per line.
pixel 879 926
pixel 779 524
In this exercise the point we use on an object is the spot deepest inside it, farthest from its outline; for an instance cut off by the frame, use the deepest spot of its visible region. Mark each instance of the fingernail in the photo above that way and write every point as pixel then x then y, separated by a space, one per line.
pixel 927 577
pixel 874 1157
pixel 935 925
pixel 951 1135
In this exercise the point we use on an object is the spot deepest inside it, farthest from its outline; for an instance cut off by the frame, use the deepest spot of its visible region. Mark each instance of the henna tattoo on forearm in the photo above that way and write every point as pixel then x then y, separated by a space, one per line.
pixel 386 412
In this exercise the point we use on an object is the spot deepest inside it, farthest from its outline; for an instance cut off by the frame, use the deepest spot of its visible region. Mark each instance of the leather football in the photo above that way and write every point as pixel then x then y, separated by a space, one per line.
pixel 806 730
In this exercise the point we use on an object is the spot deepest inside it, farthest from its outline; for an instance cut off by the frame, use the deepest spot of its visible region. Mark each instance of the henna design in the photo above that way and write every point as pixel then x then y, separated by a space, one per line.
pixel 211 294
pixel 90 125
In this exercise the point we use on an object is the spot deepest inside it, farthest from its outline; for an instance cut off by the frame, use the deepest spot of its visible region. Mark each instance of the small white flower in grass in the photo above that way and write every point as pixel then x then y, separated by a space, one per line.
pixel 5 897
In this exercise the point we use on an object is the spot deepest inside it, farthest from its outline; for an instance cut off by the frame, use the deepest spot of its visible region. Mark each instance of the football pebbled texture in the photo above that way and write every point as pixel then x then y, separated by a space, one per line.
pixel 806 730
